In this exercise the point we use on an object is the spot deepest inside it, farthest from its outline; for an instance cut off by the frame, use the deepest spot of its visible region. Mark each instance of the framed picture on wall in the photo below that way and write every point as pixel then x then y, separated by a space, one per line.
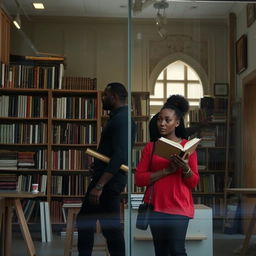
pixel 251 14
pixel 241 54
pixel 220 89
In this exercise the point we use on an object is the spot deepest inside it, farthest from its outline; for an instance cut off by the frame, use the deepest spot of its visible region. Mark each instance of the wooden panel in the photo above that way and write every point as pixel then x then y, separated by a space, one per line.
pixel 249 149
pixel 249 123
pixel 4 37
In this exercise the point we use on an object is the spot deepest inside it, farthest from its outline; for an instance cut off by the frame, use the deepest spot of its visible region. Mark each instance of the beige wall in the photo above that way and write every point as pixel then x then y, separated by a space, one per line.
pixel 98 47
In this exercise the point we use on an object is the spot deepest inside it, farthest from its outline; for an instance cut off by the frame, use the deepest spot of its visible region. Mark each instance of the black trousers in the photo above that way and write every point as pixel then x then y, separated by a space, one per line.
pixel 108 214
pixel 169 233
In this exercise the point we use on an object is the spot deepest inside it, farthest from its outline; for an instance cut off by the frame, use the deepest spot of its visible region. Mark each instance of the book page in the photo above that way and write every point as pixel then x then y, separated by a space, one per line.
pixel 191 142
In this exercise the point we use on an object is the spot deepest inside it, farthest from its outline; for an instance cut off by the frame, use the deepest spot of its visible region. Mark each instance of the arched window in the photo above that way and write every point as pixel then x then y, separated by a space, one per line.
pixel 176 78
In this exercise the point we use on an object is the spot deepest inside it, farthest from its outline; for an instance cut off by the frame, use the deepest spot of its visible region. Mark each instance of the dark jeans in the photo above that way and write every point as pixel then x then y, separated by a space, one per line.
pixel 108 213
pixel 169 232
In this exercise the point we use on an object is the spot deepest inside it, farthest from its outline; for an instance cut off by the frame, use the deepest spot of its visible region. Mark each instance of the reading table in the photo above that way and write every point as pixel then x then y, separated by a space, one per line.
pixel 249 192
pixel 12 200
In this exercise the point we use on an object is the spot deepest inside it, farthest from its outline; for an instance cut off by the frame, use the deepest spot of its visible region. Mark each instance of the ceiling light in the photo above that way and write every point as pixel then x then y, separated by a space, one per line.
pixel 17 21
pixel 38 6
pixel 162 32
pixel 161 19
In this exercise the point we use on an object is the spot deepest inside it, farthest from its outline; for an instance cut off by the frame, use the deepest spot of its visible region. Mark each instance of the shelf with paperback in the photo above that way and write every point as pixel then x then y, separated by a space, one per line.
pixel 213 152
pixel 47 122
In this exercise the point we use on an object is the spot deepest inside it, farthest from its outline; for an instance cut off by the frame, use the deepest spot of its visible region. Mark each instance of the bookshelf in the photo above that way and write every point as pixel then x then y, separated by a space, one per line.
pixel 213 153
pixel 47 122
pixel 141 115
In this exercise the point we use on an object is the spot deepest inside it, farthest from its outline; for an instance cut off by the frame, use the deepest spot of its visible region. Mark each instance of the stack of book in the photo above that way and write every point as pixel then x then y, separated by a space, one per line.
pixel 8 181
pixel 26 159
pixel 208 137
pixel 8 160
pixel 136 200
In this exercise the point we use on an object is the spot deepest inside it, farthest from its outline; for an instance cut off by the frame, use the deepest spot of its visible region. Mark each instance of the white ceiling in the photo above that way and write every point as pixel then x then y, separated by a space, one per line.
pixel 119 8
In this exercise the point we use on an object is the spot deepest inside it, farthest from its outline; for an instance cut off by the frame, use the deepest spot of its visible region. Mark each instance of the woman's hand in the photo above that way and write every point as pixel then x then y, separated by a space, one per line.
pixel 182 162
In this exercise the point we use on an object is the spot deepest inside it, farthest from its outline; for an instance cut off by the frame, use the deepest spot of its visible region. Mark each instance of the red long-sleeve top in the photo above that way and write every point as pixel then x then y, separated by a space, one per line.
pixel 171 194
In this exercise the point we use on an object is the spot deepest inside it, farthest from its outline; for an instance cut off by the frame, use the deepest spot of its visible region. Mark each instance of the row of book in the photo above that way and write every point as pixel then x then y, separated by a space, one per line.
pixel 79 83
pixel 43 75
pixel 75 107
pixel 22 183
pixel 75 185
pixel 69 133
pixel 141 131
pixel 136 155
pixel 73 133
pixel 210 183
pixel 13 160
pixel 71 159
pixel 211 109
pixel 32 76
pixel 139 105
pixel 23 106
pixel 23 133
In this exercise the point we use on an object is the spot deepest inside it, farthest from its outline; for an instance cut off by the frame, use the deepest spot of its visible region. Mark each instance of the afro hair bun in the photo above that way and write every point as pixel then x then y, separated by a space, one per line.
pixel 179 102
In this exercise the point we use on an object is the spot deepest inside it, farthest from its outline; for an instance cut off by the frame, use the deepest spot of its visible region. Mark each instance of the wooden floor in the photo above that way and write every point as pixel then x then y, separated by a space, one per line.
pixel 223 244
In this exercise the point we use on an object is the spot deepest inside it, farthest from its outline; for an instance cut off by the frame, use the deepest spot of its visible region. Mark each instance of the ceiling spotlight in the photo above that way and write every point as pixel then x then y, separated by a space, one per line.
pixel 17 21
pixel 38 6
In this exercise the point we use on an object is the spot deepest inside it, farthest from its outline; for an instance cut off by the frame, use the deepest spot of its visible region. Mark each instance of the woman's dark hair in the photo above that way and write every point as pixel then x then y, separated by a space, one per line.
pixel 180 106
pixel 118 89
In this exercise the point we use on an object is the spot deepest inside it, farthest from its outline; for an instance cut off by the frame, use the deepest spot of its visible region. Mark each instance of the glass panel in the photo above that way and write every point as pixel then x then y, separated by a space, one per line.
pixel 92 35
pixel 159 91
pixel 175 71
pixel 195 91
pixel 175 88
pixel 192 74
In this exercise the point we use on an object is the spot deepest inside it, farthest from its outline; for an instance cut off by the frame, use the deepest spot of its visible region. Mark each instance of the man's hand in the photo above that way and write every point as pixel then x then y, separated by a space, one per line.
pixel 94 196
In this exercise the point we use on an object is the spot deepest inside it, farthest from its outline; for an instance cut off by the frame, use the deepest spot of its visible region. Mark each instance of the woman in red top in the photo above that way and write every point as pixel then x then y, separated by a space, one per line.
pixel 172 182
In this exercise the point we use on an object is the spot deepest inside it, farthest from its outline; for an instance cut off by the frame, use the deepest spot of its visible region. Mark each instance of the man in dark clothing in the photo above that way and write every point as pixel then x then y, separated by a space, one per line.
pixel 102 200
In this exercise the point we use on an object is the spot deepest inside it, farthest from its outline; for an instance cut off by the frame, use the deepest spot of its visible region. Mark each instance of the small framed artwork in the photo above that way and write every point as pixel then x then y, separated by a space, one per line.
pixel 251 14
pixel 241 54
pixel 220 89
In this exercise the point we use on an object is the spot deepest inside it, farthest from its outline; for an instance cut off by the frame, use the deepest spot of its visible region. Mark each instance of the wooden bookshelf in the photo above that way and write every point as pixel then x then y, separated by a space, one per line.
pixel 55 123
pixel 213 154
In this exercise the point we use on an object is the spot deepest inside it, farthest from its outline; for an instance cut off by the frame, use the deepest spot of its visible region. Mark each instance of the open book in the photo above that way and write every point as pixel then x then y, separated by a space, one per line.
pixel 165 147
